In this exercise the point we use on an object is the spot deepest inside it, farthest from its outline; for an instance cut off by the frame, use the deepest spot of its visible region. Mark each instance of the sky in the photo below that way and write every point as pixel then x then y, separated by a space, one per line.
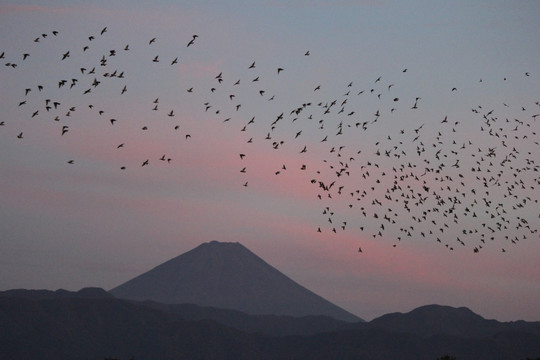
pixel 391 162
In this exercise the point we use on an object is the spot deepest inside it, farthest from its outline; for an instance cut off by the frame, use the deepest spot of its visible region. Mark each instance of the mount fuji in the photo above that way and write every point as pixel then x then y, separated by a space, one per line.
pixel 229 276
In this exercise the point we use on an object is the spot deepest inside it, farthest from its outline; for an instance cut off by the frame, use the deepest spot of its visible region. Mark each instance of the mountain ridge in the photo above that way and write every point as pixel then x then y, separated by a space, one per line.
pixel 433 320
pixel 64 326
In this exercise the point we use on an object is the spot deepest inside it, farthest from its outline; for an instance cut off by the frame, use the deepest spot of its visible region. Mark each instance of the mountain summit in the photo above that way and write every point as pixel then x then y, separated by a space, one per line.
pixel 227 275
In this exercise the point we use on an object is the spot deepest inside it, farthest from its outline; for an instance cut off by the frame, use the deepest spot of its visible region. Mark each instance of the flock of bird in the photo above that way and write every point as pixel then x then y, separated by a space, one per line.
pixel 453 180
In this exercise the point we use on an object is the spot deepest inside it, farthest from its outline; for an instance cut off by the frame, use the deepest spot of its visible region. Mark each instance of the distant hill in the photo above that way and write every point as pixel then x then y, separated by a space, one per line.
pixel 229 276
pixel 276 325
pixel 432 320
pixel 77 328
pixel 70 326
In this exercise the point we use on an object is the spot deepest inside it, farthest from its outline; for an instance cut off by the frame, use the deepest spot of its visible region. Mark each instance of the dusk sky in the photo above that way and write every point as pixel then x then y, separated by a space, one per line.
pixel 407 130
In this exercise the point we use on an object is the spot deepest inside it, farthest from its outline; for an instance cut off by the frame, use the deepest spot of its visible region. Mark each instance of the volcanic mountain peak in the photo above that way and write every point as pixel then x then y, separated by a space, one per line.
pixel 227 275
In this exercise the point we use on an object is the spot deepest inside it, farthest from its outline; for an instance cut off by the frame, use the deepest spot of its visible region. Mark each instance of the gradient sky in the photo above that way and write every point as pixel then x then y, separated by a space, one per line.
pixel 92 224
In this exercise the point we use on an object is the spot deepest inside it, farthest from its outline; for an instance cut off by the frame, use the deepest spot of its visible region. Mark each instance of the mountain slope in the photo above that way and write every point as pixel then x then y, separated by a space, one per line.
pixel 275 325
pixel 433 320
pixel 79 328
pixel 229 276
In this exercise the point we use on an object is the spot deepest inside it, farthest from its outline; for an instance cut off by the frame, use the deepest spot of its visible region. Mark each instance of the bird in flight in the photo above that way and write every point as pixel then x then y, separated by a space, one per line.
pixel 192 41
pixel 474 177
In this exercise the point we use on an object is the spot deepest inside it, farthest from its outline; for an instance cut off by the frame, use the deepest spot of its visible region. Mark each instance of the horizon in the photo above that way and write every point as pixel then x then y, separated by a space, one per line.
pixel 434 109
pixel 454 306
pixel 240 311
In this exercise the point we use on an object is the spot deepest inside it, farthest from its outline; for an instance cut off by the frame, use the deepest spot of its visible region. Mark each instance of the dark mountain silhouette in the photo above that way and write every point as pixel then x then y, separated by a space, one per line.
pixel 432 320
pixel 78 328
pixel 379 344
pixel 229 276
pixel 276 325
pixel 70 326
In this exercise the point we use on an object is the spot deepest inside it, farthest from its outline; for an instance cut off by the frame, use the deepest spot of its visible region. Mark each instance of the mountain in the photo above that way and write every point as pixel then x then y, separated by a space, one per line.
pixel 229 276
pixel 433 320
pixel 378 344
pixel 81 328
pixel 275 325
pixel 70 326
